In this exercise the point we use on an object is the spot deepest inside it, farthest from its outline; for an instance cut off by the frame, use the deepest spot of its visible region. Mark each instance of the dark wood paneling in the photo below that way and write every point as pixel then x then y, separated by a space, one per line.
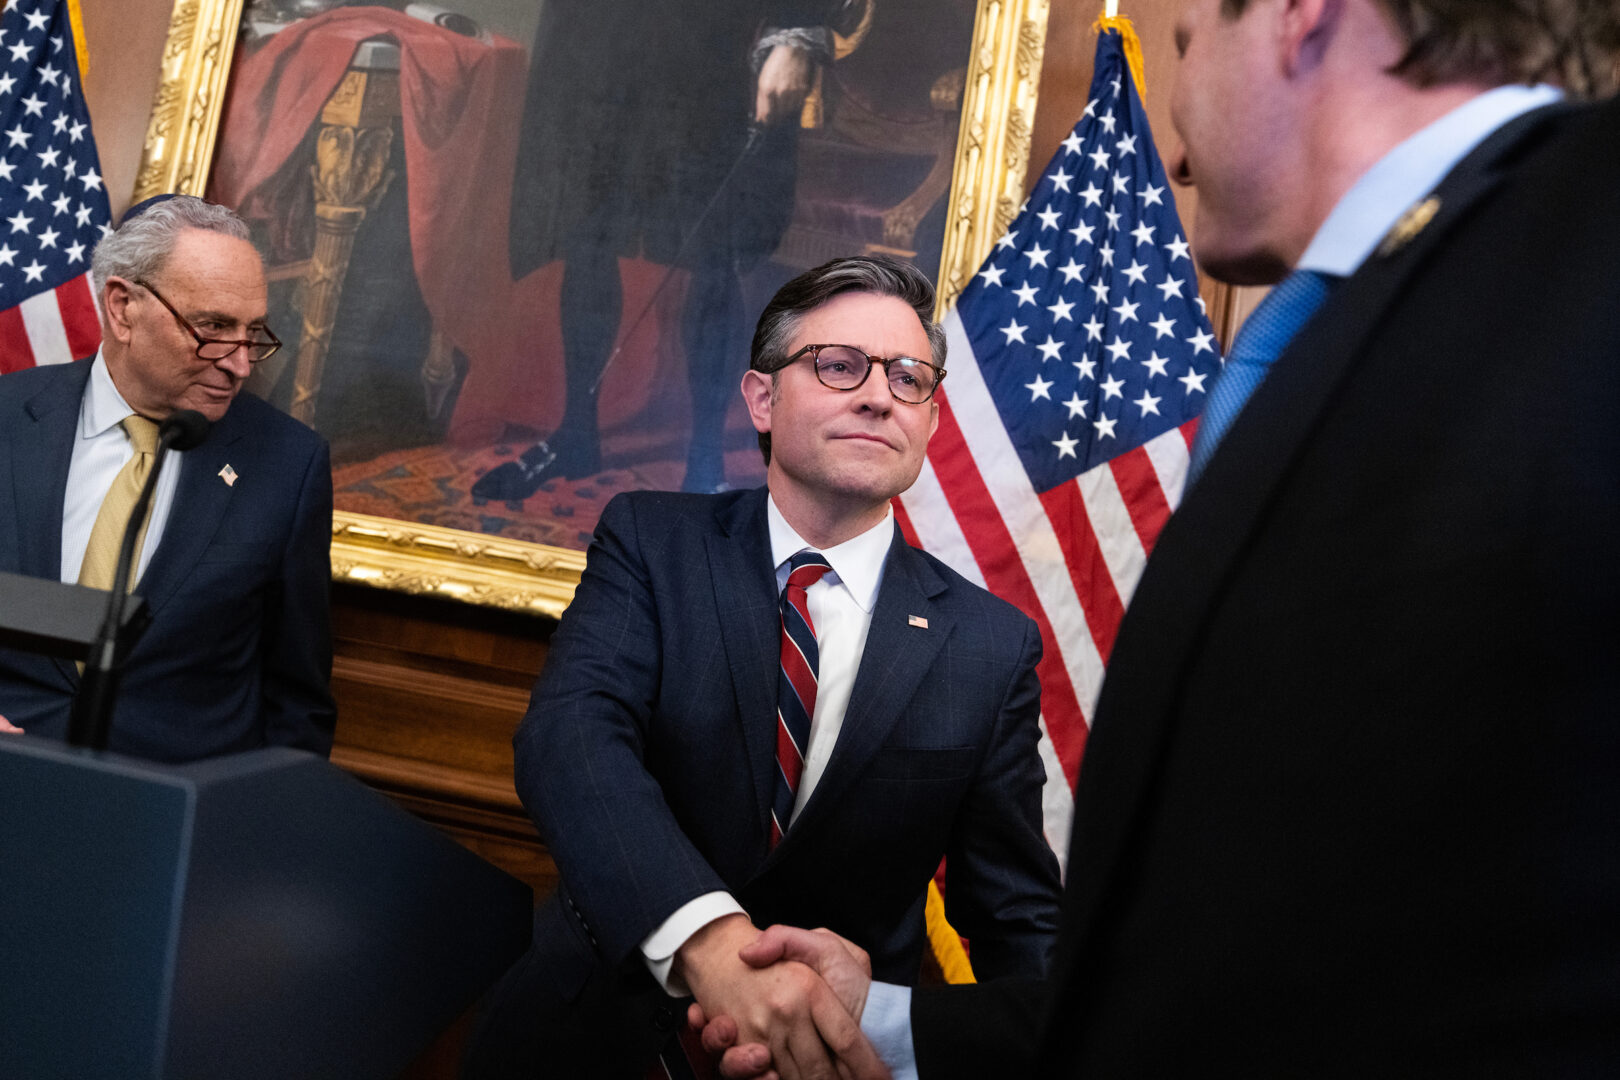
pixel 429 694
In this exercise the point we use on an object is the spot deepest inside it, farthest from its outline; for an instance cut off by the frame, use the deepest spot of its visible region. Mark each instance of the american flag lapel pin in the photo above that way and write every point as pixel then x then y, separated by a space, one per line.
pixel 228 475
pixel 918 621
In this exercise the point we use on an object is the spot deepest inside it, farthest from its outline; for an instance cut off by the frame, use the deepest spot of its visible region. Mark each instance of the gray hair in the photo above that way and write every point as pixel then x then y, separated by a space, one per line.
pixel 140 246
pixel 877 274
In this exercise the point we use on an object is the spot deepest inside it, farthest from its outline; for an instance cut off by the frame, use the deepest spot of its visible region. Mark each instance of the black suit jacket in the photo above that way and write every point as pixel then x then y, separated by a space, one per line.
pixel 1350 806
pixel 238 654
pixel 648 761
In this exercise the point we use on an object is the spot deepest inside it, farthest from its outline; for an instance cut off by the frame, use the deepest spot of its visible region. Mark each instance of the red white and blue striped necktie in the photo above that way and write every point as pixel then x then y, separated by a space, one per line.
pixel 796 687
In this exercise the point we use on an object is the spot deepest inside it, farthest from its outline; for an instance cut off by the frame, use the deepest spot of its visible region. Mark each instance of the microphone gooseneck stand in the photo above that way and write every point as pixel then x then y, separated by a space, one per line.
pixel 98 689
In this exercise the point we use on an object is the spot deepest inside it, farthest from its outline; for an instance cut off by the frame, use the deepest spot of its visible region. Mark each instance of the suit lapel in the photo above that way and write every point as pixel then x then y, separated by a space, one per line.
pixel 1200 546
pixel 745 603
pixel 200 502
pixel 41 453
pixel 897 658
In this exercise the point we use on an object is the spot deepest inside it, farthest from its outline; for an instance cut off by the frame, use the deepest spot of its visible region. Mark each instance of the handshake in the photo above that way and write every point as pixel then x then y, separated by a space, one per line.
pixel 784 1004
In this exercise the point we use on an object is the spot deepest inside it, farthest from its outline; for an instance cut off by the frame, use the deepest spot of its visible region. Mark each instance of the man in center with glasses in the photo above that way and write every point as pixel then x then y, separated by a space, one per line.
pixel 765 706
pixel 232 560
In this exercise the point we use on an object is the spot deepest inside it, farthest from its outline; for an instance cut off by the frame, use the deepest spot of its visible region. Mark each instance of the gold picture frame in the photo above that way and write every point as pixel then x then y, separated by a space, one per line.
pixel 992 156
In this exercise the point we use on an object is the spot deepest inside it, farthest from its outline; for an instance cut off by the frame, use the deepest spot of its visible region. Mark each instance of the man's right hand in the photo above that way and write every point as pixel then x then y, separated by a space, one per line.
pixel 8 728
pixel 846 970
pixel 783 1006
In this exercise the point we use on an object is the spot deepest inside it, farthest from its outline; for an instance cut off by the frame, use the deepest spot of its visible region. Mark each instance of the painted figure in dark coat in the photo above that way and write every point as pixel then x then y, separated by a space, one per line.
pixel 667 131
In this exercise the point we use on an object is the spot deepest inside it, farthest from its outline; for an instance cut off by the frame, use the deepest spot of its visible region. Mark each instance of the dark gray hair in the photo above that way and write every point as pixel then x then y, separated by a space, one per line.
pixel 877 274
pixel 139 247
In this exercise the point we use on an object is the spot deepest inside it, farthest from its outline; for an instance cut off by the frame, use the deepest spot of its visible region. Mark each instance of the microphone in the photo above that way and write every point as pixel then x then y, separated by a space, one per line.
pixel 184 429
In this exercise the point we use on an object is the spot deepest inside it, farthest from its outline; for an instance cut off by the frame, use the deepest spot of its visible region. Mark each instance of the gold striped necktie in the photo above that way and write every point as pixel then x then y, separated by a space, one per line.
pixel 101 555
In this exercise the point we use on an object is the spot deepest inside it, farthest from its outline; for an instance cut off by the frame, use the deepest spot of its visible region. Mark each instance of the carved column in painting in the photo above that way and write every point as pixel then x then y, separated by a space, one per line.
pixel 351 176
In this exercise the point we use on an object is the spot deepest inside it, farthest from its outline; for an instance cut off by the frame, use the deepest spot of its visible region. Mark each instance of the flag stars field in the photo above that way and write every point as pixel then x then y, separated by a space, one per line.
pixel 52 197
pixel 1097 304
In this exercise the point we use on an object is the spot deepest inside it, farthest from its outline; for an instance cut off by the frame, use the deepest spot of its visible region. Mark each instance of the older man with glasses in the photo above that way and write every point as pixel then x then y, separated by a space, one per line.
pixel 232 556
pixel 765 705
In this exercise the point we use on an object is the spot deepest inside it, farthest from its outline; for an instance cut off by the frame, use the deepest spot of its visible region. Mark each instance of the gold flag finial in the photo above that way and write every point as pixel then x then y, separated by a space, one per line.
pixel 1110 19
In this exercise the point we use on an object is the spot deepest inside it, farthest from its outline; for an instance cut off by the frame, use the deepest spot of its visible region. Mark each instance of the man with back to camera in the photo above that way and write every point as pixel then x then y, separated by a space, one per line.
pixel 1349 804
pixel 233 562
pixel 693 784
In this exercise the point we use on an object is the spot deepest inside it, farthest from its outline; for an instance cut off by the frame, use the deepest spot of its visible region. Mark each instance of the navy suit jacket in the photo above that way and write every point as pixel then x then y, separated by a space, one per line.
pixel 238 653
pixel 647 760
pixel 1349 806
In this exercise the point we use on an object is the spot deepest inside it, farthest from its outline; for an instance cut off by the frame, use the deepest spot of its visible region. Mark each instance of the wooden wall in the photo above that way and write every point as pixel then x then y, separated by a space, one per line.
pixel 429 693
pixel 125 42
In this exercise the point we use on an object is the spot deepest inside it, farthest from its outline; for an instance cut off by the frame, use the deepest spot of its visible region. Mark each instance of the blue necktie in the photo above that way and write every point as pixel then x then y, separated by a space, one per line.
pixel 1262 339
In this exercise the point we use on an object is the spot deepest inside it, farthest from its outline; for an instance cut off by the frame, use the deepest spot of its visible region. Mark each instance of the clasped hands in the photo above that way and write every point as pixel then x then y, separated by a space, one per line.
pixel 780 1005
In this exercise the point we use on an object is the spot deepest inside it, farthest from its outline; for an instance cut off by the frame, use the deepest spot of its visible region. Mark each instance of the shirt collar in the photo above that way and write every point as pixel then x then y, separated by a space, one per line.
pixel 104 407
pixel 857 562
pixel 1410 171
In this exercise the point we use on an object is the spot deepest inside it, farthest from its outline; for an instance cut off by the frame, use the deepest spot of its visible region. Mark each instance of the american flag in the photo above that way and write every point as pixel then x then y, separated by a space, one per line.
pixel 1079 359
pixel 53 204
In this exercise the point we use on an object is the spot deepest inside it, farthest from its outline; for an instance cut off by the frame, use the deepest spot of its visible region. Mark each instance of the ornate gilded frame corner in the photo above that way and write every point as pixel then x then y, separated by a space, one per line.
pixel 190 98
pixel 992 156
pixel 452 564
pixel 992 151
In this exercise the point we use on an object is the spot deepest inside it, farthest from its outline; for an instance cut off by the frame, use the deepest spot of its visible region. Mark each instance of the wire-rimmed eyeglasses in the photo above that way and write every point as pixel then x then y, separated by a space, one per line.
pixel 215 349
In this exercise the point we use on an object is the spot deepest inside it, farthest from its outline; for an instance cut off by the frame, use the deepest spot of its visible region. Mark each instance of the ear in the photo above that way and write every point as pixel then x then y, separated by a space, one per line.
pixel 115 299
pixel 933 416
pixel 756 392
pixel 1306 31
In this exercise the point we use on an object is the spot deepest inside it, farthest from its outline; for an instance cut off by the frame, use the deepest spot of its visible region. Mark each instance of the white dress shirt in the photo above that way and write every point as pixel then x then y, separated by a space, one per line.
pixel 100 451
pixel 1356 225
pixel 841 610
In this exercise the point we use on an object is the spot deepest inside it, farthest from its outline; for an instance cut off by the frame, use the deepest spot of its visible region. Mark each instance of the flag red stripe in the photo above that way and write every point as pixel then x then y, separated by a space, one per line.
pixel 907 530
pixel 79 316
pixel 1005 575
pixel 1138 484
pixel 1082 554
pixel 15 351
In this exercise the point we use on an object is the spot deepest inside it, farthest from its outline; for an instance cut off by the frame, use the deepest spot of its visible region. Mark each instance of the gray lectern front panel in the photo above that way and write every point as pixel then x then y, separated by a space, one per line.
pixel 262 915
pixel 92 860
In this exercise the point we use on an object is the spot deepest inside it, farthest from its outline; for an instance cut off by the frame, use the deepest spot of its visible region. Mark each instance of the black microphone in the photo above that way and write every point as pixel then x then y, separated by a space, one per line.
pixel 93 706
pixel 183 430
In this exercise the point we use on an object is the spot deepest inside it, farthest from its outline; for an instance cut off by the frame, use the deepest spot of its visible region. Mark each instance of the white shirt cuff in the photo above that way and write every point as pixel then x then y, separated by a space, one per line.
pixel 886 1023
pixel 660 946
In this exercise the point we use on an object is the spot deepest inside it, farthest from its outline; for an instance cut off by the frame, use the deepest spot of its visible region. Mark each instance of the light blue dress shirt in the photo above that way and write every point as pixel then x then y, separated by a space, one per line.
pixel 100 451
